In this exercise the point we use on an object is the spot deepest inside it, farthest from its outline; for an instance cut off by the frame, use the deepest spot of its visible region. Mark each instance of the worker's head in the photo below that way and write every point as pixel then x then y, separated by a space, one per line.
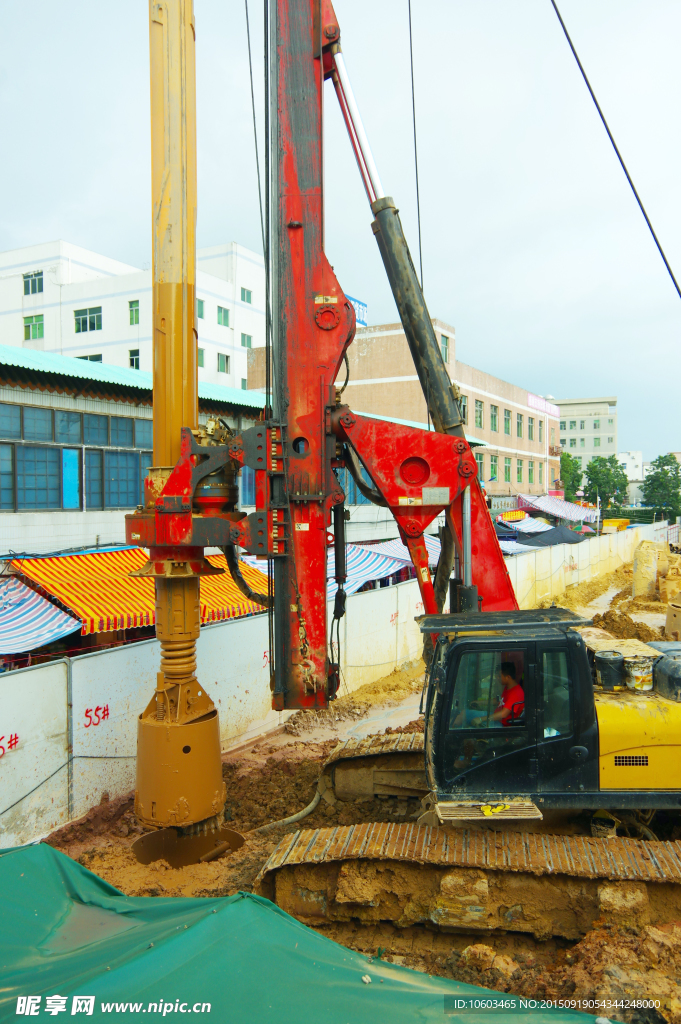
pixel 508 673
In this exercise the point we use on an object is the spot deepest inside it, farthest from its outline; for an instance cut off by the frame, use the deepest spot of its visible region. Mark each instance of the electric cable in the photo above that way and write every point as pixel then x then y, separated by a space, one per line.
pixel 614 146
pixel 255 126
pixel 416 156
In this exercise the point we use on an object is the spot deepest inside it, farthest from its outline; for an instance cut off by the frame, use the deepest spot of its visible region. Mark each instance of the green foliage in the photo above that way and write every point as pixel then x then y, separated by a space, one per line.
pixel 662 486
pixel 605 479
pixel 570 474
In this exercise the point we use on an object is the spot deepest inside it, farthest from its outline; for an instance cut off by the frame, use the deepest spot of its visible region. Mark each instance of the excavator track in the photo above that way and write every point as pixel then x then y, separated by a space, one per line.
pixel 463 879
pixel 378 766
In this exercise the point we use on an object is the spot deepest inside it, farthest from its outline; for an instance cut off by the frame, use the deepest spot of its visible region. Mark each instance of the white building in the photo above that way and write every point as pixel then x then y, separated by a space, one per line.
pixel 588 427
pixel 57 297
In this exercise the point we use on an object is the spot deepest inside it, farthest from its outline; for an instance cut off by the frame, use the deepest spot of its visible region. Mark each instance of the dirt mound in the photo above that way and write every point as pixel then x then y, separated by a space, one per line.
pixel 391 689
pixel 620 625
pixel 584 593
pixel 109 819
pixel 418 725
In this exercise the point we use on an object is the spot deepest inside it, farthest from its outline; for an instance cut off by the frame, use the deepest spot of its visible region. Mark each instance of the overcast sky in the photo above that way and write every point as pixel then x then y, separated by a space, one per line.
pixel 533 246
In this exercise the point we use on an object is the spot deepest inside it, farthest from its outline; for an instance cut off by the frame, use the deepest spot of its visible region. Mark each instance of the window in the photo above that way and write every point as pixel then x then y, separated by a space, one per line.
pixel 121 432
pixel 519 470
pixel 597 442
pixel 134 358
pixel 38 472
pixel 530 428
pixel 530 472
pixel 33 283
pixel 223 362
pixel 199 308
pixel 494 418
pixel 122 478
pixel 541 429
pixel 246 341
pixel 479 694
pixel 10 421
pixel 246 295
pixel 507 471
pixel 463 406
pixel 562 441
pixel 553 435
pixel 67 427
pixel 573 424
pixel 562 424
pixel 573 442
pixel 94 490
pixel 541 472
pixel 507 422
pixel 493 467
pixel 144 433
pixel 519 424
pixel 247 487
pixel 134 307
pixel 244 384
pixel 6 477
pixel 582 424
pixel 611 423
pixel 88 319
pixel 479 412
pixel 91 359
pixel 480 459
pixel 37 424
pixel 95 429
pixel 223 316
pixel 581 442
pixel 611 440
pixel 444 344
pixel 597 424
pixel 557 694
pixel 200 357
pixel 70 478
pixel 33 328
pixel 579 459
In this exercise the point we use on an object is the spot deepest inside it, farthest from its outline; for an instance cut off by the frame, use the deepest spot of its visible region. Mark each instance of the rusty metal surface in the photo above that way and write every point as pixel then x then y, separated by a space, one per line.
pixel 536 854
pixel 371 746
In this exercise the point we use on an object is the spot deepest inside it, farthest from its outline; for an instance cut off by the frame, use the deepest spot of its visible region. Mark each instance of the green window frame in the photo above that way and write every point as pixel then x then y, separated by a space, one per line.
pixel 507 422
pixel 33 328
pixel 479 413
pixel 463 406
pixel 134 358
pixel 247 341
pixel 33 283
pixel 444 347
pixel 507 470
pixel 134 308
pixel 519 470
pixel 223 316
pixel 244 384
pixel 223 363
pixel 530 428
pixel 493 468
pixel 541 472
pixel 530 471
pixel 480 459
pixel 246 295
pixel 494 418
pixel 199 309
pixel 519 424
pixel 199 359
pixel 88 319
pixel 541 431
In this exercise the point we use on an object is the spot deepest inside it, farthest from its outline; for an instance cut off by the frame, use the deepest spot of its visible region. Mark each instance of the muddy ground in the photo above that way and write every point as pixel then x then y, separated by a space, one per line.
pixel 277 777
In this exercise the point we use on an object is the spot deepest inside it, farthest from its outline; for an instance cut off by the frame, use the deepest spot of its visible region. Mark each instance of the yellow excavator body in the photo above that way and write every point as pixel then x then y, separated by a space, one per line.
pixel 639 741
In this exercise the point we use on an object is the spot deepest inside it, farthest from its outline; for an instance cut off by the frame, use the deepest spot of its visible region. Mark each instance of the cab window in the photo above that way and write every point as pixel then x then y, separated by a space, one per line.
pixel 557 694
pixel 488 691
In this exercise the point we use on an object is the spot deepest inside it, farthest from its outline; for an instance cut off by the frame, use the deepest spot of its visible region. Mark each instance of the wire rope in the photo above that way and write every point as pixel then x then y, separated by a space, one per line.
pixel 614 146
pixel 416 155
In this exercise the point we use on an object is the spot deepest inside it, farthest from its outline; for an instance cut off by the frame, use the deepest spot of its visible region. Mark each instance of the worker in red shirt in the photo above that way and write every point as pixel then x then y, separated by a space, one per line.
pixel 512 700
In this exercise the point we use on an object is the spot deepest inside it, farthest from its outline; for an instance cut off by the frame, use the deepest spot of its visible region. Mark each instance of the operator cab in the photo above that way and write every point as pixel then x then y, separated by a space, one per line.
pixel 510 706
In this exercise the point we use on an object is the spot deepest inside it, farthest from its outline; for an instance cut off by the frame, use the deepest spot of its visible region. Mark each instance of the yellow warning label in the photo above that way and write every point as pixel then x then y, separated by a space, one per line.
pixel 406 500
pixel 325 300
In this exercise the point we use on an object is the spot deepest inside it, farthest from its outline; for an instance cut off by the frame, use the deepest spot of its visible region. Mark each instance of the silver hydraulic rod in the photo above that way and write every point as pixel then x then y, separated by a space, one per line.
pixel 358 128
pixel 466 539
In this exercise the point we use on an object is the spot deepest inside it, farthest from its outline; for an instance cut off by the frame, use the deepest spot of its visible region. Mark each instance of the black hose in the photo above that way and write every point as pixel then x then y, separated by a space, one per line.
pixel 356 474
pixel 229 552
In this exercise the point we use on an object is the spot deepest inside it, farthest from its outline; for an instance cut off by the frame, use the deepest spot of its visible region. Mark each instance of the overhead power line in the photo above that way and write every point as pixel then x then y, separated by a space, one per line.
pixel 614 146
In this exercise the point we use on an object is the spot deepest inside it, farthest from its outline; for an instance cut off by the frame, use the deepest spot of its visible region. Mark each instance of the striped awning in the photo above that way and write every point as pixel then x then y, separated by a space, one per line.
pixel 559 508
pixel 98 590
pixel 27 620
pixel 396 549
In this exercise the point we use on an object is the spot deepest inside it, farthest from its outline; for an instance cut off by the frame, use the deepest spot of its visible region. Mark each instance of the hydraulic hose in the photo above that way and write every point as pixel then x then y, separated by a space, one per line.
pixel 293 817
pixel 233 565
pixel 369 492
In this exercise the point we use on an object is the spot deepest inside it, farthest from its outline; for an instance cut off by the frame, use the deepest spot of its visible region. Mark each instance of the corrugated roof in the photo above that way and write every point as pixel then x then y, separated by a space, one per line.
pixel 105 373
pixel 420 426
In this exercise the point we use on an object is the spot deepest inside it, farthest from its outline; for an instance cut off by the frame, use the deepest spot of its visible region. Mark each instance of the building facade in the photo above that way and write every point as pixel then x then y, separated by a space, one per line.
pixel 588 427
pixel 515 433
pixel 60 298
pixel 76 439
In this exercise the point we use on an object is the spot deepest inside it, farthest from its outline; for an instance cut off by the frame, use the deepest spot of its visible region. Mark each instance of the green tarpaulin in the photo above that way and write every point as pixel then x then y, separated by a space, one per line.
pixel 69 938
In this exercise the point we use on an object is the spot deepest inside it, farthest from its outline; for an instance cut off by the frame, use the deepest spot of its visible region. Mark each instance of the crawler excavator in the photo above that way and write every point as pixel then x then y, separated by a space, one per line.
pixel 491 758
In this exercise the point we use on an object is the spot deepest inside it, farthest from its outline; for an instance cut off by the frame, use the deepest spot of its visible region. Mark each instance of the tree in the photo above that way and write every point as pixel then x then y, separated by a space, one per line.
pixel 662 486
pixel 605 479
pixel 570 474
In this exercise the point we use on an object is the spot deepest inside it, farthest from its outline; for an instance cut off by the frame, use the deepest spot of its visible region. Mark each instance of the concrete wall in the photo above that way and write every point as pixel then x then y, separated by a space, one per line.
pixel 92 702
pixel 547 572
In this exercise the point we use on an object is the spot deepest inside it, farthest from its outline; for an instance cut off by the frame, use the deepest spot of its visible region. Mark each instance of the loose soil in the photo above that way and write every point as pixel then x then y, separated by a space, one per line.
pixel 620 625
pixel 579 597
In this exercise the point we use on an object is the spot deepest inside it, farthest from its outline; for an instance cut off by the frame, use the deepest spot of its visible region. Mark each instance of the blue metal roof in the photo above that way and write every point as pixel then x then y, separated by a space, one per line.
pixel 473 441
pixel 105 373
